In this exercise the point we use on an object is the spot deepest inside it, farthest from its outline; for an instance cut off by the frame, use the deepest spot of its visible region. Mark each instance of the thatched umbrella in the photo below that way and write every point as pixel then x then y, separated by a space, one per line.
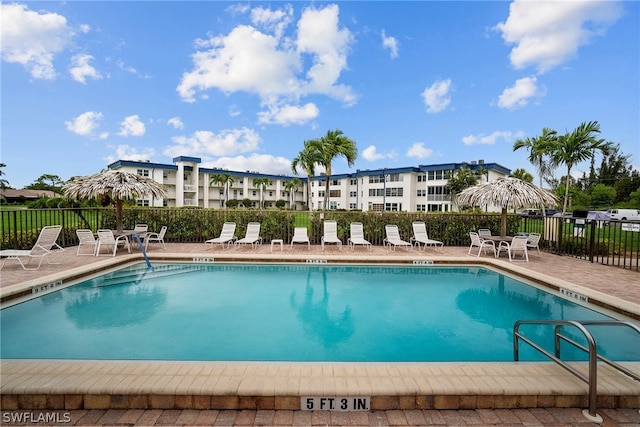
pixel 117 185
pixel 507 193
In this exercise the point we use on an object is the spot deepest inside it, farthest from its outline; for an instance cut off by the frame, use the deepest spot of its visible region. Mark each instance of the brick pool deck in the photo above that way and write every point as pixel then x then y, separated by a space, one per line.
pixel 220 393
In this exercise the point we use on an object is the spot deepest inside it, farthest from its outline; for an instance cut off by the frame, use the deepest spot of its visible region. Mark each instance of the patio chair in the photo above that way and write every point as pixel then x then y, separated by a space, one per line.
pixel 141 230
pixel 484 232
pixel 86 238
pixel 107 238
pixel 156 237
pixel 518 244
pixel 252 236
pixel 227 235
pixel 420 236
pixel 481 243
pixel 300 236
pixel 393 238
pixel 356 236
pixel 533 242
pixel 331 234
pixel 41 249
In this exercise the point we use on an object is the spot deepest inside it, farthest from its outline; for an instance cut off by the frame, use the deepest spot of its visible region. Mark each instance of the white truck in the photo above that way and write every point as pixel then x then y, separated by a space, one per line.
pixel 624 214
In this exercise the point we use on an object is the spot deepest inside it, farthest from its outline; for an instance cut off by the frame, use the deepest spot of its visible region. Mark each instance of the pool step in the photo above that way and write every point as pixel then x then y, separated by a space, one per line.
pixel 137 275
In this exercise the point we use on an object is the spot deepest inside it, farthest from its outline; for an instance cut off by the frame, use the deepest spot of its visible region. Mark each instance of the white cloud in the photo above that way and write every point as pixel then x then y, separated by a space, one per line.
pixel 85 123
pixel 33 39
pixel 229 62
pixel 132 126
pixel 208 144
pixel 81 69
pixel 371 154
pixel 549 33
pixel 390 43
pixel 419 151
pixel 255 162
pixel 436 97
pixel 492 138
pixel 176 122
pixel 289 114
pixel 126 152
pixel 518 95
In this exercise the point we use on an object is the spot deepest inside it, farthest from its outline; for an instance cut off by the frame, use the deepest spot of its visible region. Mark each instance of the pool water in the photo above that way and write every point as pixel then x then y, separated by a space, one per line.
pixel 231 312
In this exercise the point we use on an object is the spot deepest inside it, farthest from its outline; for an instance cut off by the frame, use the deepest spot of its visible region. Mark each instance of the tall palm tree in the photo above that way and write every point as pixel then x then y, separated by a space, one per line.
pixel 3 182
pixel 307 160
pixel 228 182
pixel 330 146
pixel 539 148
pixel 218 180
pixel 291 187
pixel 522 174
pixel 261 183
pixel 577 146
pixel 462 178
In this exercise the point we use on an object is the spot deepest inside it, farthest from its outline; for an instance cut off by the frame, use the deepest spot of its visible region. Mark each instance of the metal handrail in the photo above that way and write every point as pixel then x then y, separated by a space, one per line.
pixel 592 378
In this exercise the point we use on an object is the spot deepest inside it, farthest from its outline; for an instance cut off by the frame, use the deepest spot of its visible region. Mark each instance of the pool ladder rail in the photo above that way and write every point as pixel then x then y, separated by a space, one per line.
pixel 144 253
pixel 592 378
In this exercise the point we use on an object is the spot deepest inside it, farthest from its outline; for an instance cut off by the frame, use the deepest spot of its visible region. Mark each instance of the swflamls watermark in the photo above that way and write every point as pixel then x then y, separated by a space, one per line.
pixel 26 417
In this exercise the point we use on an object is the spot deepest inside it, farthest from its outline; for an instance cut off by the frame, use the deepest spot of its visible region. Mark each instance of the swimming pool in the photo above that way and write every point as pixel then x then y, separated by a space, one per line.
pixel 291 313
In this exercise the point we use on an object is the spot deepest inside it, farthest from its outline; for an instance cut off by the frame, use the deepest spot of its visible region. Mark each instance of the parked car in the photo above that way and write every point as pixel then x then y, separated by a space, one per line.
pixel 624 214
pixel 536 213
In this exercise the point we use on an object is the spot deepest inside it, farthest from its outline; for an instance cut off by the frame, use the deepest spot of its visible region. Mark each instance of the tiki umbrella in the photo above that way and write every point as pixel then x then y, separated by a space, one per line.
pixel 507 193
pixel 117 185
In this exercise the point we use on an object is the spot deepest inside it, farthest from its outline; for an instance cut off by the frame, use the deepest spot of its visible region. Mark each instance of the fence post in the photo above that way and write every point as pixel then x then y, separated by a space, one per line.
pixel 592 239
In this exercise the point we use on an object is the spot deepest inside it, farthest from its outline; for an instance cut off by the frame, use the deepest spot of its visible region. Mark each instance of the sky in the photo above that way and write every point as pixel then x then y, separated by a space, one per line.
pixel 242 85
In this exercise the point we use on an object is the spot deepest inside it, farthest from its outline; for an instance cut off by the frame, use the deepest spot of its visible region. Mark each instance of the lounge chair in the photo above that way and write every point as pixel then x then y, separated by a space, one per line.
pixel 420 236
pixel 356 236
pixel 252 236
pixel 86 238
pixel 481 243
pixel 533 242
pixel 484 232
pixel 107 238
pixel 155 237
pixel 331 234
pixel 227 235
pixel 393 238
pixel 141 230
pixel 518 244
pixel 43 247
pixel 300 236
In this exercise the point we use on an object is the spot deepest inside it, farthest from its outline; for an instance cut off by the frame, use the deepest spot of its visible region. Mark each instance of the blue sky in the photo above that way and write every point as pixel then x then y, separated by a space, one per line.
pixel 243 84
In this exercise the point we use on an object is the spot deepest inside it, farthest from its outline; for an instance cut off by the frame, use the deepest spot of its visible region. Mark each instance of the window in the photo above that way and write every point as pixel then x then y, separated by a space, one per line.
pixel 270 193
pixel 335 182
pixel 378 207
pixel 254 192
pixel 422 178
pixel 143 172
pixel 421 208
pixel 394 191
pixel 165 174
pixel 396 207
pixel 374 179
pixel 353 181
pixel 333 206
pixel 321 193
pixel 353 194
pixel 142 202
pixel 376 192
pixel 433 175
pixel 335 193
pixel 421 193
pixel 352 205
pixel 394 177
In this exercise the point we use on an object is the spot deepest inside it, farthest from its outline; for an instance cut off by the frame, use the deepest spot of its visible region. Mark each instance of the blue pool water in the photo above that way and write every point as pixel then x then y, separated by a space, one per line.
pixel 292 313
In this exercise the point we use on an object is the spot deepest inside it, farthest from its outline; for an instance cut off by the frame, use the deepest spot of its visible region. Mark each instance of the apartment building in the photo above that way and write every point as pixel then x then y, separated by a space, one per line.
pixel 417 188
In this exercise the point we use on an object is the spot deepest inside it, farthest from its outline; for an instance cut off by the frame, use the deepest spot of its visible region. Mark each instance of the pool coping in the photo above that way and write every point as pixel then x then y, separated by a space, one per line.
pixel 89 384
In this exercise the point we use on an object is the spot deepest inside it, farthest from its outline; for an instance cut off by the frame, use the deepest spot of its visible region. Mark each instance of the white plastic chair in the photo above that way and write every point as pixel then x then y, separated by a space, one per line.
pixel 533 242
pixel 86 238
pixel 356 236
pixel 393 238
pixel 107 238
pixel 484 232
pixel 227 235
pixel 252 236
pixel 331 234
pixel 518 244
pixel 156 237
pixel 300 236
pixel 41 249
pixel 420 236
pixel 481 244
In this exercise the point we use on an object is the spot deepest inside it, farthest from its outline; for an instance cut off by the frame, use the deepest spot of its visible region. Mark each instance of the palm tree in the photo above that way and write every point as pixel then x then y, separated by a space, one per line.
pixel 461 179
pixel 539 149
pixel 291 187
pixel 261 183
pixel 575 147
pixel 307 160
pixel 522 174
pixel 220 180
pixel 3 182
pixel 228 182
pixel 330 146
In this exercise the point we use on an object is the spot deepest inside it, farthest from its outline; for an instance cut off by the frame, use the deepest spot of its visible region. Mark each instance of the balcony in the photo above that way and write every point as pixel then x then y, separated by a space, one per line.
pixel 190 202
pixel 190 188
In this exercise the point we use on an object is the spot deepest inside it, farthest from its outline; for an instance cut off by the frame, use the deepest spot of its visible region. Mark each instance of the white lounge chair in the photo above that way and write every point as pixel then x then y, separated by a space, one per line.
pixel 300 236
pixel 41 249
pixel 420 236
pixel 393 238
pixel 518 244
pixel 227 235
pixel 156 237
pixel 252 236
pixel 533 242
pixel 141 230
pixel 107 238
pixel 482 244
pixel 331 234
pixel 86 238
pixel 484 232
pixel 356 236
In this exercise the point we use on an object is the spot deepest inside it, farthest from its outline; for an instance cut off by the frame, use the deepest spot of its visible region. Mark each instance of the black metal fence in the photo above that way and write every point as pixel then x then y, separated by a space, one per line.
pixel 607 243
